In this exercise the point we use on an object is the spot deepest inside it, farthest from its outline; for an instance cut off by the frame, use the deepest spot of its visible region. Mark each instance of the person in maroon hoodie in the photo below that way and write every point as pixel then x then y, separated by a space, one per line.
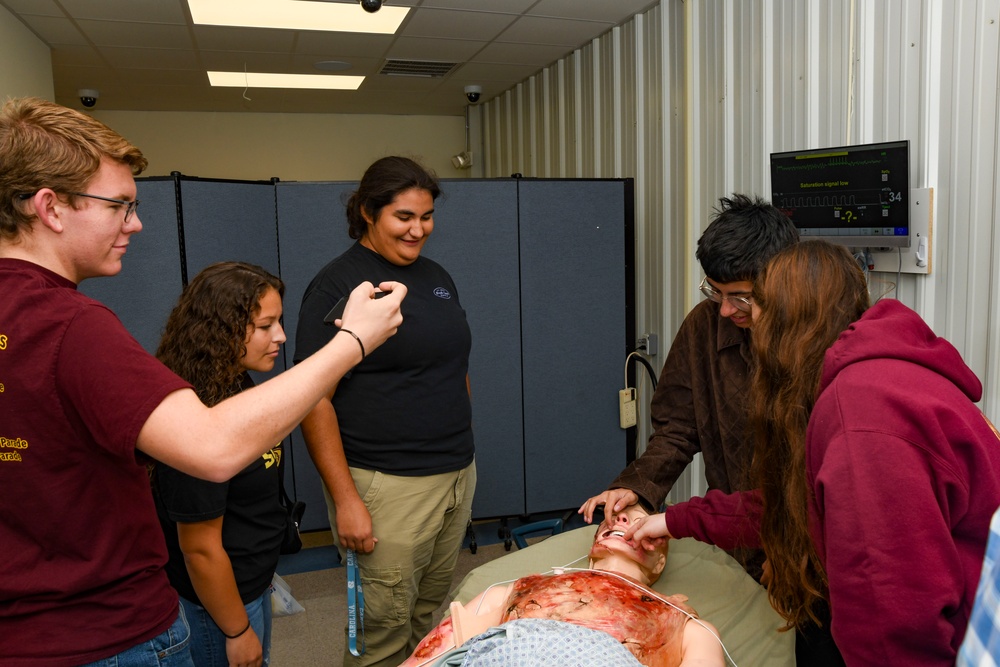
pixel 877 473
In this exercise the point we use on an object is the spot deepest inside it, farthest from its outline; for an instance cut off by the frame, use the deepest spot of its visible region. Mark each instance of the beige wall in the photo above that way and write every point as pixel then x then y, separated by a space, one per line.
pixel 27 62
pixel 292 147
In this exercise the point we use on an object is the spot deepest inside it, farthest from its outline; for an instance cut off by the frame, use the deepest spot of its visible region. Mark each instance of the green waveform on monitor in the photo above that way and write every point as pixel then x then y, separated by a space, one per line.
pixel 826 165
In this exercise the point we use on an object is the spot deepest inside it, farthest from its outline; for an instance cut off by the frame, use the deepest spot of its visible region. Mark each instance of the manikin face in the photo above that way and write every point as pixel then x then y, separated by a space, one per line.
pixel 742 288
pixel 402 227
pixel 94 235
pixel 610 551
pixel 264 334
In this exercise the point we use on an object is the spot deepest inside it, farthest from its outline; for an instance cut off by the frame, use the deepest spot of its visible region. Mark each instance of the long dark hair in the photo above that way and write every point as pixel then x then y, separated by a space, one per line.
pixel 205 335
pixel 808 295
pixel 382 182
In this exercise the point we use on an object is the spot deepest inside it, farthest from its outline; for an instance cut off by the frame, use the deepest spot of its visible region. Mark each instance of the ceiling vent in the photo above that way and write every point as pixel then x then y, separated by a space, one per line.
pixel 422 68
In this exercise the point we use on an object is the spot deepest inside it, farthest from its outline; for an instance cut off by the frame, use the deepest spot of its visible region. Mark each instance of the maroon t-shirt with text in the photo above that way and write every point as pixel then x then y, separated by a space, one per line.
pixel 81 577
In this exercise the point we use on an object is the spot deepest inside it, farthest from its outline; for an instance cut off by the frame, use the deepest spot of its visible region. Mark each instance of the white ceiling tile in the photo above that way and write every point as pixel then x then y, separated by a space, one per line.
pixel 449 50
pixel 539 55
pixel 249 61
pixel 154 35
pixel 54 30
pixel 143 11
pixel 456 24
pixel 615 12
pixel 77 56
pixel 517 7
pixel 36 7
pixel 164 77
pixel 304 63
pixel 336 44
pixel 222 38
pixel 485 72
pixel 567 32
pixel 154 59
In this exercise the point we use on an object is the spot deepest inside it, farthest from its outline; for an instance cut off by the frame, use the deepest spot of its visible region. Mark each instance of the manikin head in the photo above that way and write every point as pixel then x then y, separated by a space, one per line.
pixel 611 552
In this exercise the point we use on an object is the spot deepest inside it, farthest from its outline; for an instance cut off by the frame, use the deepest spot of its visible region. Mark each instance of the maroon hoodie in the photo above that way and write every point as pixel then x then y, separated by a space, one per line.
pixel 904 472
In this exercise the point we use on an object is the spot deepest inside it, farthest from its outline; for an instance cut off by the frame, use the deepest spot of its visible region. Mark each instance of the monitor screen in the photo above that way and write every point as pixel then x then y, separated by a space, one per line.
pixel 854 195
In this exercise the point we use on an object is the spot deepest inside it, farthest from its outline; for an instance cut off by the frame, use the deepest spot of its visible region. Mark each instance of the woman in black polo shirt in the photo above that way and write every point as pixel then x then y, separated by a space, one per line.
pixel 393 442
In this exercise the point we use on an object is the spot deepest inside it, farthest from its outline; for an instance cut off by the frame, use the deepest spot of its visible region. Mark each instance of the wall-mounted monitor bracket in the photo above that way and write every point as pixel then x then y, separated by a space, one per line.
pixel 918 257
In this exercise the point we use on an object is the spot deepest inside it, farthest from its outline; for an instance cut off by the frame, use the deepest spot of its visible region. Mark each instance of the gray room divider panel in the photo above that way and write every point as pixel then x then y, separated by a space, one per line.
pixel 150 280
pixel 576 264
pixel 312 230
pixel 229 220
pixel 475 239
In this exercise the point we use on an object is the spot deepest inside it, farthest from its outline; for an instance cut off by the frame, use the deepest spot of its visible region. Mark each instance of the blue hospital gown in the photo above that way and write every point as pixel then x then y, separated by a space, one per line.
pixel 535 642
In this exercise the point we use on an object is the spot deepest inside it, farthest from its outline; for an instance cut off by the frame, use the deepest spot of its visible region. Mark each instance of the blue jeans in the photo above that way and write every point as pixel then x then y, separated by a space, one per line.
pixel 169 649
pixel 208 644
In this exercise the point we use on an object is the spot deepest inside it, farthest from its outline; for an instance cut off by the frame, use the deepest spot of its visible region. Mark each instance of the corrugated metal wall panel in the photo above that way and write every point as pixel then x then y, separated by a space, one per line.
pixel 970 219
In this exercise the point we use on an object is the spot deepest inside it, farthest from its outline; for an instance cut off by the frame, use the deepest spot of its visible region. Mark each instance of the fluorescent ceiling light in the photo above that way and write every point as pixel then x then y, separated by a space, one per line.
pixel 297 15
pixel 267 80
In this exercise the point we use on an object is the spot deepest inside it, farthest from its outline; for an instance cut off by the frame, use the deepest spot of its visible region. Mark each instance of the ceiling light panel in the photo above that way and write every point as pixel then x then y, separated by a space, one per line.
pixel 269 80
pixel 297 15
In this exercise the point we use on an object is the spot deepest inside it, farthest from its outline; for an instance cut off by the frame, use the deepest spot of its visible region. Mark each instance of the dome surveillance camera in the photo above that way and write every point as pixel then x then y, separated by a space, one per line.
pixel 473 93
pixel 371 6
pixel 88 97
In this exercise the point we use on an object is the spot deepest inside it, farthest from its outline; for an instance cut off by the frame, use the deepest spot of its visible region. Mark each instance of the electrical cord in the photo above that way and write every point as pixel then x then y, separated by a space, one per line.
pixel 635 354
pixel 899 272
pixel 867 264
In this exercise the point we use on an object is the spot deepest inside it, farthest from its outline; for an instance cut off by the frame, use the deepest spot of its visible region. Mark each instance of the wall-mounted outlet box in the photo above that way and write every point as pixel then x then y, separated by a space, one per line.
pixel 626 407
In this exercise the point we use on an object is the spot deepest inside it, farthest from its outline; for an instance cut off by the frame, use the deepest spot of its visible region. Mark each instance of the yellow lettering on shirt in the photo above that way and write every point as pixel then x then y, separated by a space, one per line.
pixel 3 341
pixel 12 443
pixel 272 457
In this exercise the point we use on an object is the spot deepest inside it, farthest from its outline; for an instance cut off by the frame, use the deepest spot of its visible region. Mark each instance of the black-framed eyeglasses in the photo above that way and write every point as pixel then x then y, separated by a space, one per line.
pixel 741 303
pixel 130 206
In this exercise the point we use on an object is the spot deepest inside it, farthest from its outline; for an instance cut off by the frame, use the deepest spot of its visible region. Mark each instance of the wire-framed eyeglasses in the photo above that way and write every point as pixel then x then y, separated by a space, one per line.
pixel 130 206
pixel 741 303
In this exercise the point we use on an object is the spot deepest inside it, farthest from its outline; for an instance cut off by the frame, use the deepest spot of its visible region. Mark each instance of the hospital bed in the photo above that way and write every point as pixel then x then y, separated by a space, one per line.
pixel 716 586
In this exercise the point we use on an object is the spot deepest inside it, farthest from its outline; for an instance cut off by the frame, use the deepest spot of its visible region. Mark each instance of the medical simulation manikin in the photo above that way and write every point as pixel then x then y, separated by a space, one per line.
pixel 607 615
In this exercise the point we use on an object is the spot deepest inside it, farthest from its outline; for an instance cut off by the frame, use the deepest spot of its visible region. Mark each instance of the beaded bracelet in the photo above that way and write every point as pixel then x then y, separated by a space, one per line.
pixel 348 331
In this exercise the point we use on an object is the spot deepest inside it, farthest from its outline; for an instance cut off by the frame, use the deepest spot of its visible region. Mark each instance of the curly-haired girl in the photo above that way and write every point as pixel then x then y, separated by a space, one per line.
pixel 224 538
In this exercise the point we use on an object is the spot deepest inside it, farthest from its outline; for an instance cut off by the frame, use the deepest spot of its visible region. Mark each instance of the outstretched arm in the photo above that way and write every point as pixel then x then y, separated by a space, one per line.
pixel 215 443
pixel 483 612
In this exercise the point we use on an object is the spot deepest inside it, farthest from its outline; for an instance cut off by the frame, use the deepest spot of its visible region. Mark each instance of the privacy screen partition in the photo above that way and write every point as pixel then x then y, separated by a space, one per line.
pixel 544 270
